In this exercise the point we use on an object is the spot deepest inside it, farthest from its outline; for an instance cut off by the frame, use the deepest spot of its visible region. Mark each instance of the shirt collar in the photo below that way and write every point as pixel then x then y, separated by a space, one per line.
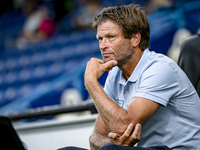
pixel 136 72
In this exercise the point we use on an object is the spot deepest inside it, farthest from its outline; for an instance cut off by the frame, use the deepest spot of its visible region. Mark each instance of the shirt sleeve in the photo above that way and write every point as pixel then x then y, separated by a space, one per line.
pixel 158 83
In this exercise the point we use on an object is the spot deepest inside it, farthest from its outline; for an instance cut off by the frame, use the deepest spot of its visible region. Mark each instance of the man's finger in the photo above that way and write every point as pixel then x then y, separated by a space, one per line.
pixel 109 64
pixel 113 135
pixel 138 130
pixel 127 133
pixel 101 61
pixel 135 137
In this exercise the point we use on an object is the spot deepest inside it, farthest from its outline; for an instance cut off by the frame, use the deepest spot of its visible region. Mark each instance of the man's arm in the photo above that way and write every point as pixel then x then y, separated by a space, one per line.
pixel 130 137
pixel 99 135
pixel 114 117
pixel 102 135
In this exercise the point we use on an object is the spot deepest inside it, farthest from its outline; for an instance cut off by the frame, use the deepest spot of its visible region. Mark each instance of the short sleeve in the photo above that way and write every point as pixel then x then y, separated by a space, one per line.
pixel 158 83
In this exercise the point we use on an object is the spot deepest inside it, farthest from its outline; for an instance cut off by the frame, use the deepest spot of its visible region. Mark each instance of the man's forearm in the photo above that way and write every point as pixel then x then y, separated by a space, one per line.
pixel 113 116
pixel 97 140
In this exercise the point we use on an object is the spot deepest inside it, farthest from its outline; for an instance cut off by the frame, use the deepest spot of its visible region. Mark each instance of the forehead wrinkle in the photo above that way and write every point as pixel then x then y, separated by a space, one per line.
pixel 106 33
pixel 107 28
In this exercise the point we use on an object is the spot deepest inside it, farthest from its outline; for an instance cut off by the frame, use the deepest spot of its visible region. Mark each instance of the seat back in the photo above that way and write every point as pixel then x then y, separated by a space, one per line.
pixel 8 137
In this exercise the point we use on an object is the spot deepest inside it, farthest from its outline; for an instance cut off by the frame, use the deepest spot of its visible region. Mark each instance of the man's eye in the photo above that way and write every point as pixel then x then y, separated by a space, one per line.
pixel 100 39
pixel 111 37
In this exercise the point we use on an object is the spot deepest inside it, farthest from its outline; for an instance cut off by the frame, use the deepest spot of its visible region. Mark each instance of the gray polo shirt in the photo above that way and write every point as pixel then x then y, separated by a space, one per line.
pixel 156 77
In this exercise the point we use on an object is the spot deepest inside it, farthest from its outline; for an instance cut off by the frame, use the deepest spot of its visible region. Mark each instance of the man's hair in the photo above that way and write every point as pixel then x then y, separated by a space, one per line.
pixel 131 19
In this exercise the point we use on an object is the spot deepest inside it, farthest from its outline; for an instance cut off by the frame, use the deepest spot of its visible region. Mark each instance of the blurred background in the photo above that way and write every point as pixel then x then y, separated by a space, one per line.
pixel 45 45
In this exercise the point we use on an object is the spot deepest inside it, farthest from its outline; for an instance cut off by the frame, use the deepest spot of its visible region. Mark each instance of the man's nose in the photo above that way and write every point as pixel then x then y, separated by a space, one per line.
pixel 103 44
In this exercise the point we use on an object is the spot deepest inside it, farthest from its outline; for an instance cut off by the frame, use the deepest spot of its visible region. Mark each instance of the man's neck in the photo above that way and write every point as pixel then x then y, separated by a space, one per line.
pixel 129 67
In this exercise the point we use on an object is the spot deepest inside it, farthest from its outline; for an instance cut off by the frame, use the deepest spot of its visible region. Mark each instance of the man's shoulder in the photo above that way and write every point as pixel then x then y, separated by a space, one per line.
pixel 161 59
pixel 158 59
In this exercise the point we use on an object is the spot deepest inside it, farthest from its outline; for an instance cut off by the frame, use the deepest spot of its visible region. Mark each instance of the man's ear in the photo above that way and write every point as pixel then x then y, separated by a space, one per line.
pixel 135 40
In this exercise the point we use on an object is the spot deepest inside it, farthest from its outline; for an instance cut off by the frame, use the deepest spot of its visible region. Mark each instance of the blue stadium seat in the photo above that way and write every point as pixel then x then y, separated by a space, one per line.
pixel 66 52
pixel 10 63
pixel 10 94
pixel 2 65
pixel 37 58
pixel 25 89
pixel 10 77
pixel 24 74
pixel 52 55
pixel 23 61
pixel 1 97
pixel 39 72
pixel 55 69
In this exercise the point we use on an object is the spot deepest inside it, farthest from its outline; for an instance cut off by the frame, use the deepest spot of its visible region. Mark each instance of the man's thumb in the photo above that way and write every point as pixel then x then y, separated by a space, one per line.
pixel 110 64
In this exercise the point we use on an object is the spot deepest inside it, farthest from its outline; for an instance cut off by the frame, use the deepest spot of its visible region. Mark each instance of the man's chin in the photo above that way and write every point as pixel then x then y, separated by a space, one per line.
pixel 107 60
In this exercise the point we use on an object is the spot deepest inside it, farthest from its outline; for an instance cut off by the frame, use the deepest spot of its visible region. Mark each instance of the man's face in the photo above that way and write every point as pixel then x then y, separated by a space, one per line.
pixel 112 43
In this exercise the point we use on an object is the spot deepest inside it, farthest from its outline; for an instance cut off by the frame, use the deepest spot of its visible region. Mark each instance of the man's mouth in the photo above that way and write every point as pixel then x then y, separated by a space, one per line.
pixel 105 54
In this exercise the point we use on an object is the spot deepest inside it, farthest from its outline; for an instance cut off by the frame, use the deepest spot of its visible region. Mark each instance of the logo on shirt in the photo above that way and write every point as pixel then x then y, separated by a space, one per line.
pixel 120 102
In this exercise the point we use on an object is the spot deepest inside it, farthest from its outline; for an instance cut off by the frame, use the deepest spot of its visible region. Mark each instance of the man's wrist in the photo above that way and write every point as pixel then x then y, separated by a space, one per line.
pixel 90 80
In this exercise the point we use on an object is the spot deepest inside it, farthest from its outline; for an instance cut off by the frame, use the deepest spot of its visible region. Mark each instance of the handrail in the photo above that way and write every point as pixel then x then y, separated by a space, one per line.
pixel 52 111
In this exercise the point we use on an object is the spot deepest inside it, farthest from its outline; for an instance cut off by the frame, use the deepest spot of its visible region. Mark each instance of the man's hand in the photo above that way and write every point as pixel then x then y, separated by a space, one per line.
pixel 96 67
pixel 129 138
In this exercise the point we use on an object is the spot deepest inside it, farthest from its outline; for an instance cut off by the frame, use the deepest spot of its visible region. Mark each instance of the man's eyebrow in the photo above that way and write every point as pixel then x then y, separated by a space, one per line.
pixel 107 34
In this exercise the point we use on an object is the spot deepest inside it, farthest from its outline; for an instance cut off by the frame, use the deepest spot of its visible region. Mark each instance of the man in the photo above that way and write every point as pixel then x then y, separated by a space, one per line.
pixel 189 59
pixel 143 87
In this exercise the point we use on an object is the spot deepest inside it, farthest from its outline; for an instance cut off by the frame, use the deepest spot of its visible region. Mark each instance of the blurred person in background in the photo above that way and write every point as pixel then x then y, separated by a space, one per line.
pixel 88 9
pixel 39 26
pixel 152 6
pixel 79 18
pixel 189 59
pixel 71 97
pixel 179 36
